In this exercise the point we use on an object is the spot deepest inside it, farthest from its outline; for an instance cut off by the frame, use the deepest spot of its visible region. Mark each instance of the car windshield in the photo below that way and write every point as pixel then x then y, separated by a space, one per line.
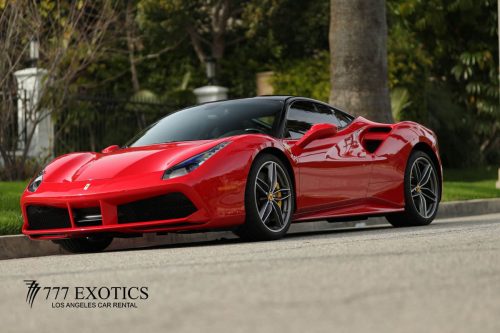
pixel 212 121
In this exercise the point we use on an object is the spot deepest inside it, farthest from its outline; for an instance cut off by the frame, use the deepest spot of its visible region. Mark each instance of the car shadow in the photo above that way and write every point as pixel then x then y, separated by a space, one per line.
pixel 227 238
pixel 230 239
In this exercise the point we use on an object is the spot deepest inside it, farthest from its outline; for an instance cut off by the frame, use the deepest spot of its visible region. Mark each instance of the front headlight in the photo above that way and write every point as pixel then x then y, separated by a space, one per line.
pixel 35 183
pixel 192 163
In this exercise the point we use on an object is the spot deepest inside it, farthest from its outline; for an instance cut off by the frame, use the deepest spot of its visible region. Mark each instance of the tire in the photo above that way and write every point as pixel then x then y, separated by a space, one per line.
pixel 264 203
pixel 419 186
pixel 85 245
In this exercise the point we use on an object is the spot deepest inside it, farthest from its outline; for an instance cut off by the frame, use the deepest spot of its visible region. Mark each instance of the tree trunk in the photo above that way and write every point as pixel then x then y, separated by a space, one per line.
pixel 358 51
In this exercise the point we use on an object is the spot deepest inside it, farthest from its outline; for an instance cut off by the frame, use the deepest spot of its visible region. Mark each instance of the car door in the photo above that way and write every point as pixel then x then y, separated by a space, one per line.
pixel 332 171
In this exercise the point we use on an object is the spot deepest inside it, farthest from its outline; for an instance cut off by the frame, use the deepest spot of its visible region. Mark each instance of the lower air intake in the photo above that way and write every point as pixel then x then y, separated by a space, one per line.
pixel 45 217
pixel 164 207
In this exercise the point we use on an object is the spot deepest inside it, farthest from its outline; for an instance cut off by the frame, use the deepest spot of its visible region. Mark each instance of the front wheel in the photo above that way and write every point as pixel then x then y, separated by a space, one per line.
pixel 422 188
pixel 85 245
pixel 269 200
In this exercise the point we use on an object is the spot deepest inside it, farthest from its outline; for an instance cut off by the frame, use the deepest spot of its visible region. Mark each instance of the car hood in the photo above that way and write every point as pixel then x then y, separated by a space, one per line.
pixel 123 162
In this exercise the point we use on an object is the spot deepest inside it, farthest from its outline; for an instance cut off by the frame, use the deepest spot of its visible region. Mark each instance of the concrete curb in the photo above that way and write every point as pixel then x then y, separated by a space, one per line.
pixel 19 246
pixel 468 208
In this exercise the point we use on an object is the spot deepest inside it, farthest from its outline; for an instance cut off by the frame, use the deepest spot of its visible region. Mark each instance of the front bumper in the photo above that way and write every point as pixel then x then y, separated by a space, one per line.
pixel 55 212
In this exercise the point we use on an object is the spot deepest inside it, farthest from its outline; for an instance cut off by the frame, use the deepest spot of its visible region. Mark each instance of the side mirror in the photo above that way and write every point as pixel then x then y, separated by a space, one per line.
pixel 316 132
pixel 110 149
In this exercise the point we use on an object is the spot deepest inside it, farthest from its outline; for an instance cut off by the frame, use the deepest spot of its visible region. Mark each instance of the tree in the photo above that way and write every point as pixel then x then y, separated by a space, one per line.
pixel 358 38
pixel 71 36
pixel 210 25
pixel 445 54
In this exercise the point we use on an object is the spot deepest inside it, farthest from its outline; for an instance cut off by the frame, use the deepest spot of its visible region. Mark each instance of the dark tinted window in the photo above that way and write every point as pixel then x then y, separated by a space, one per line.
pixel 302 115
pixel 341 119
pixel 326 110
pixel 213 120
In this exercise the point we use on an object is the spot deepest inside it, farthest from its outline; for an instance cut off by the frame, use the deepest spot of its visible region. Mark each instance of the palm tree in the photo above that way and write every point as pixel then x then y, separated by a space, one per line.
pixel 358 66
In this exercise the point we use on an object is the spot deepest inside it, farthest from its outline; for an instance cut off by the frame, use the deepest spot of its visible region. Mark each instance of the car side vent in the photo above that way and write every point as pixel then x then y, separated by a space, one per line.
pixel 383 129
pixel 373 137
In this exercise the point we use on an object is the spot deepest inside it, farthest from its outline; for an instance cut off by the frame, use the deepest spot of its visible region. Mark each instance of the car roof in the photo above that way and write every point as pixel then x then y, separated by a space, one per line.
pixel 292 98
pixel 274 97
pixel 284 98
pixel 281 98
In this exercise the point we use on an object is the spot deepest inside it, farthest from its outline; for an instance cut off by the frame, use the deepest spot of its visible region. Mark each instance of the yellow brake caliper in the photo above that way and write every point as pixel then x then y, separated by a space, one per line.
pixel 278 195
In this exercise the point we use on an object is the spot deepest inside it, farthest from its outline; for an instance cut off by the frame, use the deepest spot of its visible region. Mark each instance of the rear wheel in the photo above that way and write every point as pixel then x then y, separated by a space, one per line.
pixel 422 192
pixel 269 200
pixel 86 244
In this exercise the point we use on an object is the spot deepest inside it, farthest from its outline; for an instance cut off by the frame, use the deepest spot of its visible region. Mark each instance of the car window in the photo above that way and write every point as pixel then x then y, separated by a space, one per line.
pixel 302 115
pixel 341 119
pixel 213 120
pixel 327 110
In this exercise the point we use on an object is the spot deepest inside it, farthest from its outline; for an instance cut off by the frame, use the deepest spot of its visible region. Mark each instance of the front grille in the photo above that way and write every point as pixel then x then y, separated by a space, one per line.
pixel 45 217
pixel 164 207
pixel 87 216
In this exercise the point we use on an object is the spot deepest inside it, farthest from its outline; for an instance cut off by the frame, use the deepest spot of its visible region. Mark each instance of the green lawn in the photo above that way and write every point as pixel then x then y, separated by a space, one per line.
pixel 458 185
pixel 10 214
pixel 478 183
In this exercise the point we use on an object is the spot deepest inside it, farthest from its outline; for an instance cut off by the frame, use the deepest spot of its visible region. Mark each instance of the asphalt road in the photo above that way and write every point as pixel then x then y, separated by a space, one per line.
pixel 440 278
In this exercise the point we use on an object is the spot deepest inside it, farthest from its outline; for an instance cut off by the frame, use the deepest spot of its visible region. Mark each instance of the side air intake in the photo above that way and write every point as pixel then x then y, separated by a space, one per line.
pixel 373 137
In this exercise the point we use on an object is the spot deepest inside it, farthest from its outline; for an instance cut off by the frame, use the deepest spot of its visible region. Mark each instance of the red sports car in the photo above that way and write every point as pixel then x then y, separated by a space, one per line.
pixel 251 165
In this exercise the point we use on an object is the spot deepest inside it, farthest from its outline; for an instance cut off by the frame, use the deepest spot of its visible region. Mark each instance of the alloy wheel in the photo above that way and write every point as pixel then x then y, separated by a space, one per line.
pixel 273 196
pixel 424 187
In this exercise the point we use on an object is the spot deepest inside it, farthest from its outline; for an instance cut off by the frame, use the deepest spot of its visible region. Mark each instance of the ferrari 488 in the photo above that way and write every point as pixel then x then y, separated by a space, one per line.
pixel 253 166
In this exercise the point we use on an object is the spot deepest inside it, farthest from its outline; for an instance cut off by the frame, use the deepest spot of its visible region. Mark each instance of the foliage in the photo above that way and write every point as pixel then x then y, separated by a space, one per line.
pixel 211 26
pixel 442 57
pixel 400 102
pixel 451 45
pixel 409 67
pixel 451 121
pixel 304 77
pixel 300 58
pixel 71 36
